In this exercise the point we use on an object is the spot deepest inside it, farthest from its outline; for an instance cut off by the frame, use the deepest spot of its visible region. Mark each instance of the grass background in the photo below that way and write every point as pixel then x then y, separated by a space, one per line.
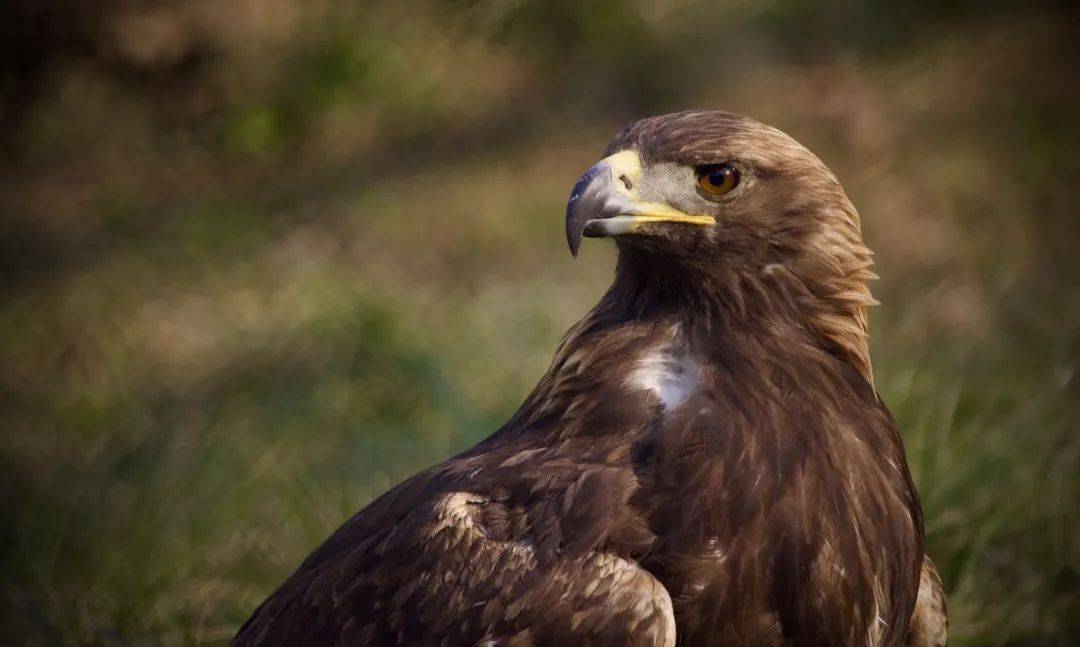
pixel 259 264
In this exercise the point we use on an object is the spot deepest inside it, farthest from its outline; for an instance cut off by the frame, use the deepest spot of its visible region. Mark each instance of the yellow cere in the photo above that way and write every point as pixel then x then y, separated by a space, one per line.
pixel 628 163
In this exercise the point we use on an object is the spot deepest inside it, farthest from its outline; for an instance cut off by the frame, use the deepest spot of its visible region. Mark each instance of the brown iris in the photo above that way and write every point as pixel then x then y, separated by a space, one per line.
pixel 717 179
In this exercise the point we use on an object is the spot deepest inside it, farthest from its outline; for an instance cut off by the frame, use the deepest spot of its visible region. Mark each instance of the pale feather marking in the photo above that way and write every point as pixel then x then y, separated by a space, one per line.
pixel 672 377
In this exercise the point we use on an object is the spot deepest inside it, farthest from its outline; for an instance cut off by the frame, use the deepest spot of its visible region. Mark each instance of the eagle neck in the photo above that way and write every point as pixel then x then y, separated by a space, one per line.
pixel 716 299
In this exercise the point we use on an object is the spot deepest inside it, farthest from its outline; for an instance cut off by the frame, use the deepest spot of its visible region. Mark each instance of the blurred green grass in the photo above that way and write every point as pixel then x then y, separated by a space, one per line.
pixel 258 266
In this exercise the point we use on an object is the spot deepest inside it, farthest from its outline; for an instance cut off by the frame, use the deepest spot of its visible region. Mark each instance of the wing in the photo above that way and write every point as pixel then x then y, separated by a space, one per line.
pixel 515 554
pixel 929 623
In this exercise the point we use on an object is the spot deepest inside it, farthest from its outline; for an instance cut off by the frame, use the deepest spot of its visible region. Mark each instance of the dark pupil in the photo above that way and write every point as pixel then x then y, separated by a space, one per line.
pixel 716 178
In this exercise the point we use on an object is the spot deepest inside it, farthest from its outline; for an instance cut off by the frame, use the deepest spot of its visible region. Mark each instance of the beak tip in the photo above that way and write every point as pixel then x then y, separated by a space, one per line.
pixel 573 233
pixel 577 211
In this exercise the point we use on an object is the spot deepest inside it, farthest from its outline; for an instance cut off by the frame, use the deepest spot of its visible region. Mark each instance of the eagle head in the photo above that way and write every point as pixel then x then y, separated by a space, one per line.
pixel 716 204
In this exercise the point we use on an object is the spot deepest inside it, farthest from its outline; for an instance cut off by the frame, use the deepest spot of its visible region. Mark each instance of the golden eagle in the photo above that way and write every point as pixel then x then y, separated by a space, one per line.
pixel 705 462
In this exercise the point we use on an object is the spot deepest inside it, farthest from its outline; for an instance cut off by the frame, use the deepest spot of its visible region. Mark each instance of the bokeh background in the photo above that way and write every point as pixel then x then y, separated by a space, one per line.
pixel 262 259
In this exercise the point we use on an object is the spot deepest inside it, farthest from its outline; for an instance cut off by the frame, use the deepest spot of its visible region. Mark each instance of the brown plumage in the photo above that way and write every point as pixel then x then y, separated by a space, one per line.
pixel 705 462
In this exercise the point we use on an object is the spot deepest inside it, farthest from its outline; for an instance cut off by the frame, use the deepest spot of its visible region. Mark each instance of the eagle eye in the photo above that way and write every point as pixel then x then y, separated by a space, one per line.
pixel 717 179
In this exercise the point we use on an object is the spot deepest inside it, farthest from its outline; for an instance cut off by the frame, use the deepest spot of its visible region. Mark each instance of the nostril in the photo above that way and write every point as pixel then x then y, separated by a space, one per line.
pixel 626 182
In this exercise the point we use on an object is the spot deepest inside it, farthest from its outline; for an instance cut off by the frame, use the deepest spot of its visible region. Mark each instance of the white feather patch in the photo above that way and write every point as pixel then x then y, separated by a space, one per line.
pixel 672 377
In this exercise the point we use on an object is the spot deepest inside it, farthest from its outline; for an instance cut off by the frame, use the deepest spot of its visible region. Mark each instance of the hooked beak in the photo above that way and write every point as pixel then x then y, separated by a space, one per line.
pixel 603 203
